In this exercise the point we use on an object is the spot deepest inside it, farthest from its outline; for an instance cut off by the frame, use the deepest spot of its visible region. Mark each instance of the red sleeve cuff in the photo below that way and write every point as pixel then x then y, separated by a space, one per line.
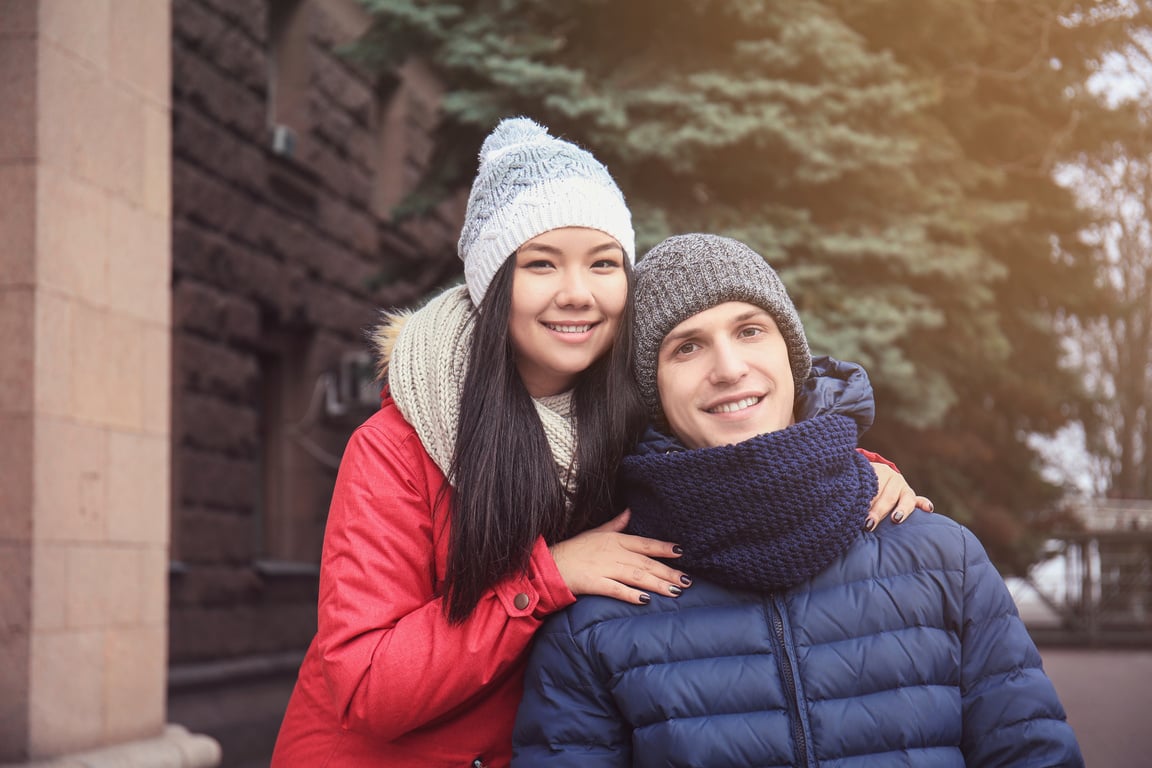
pixel 876 458
pixel 538 593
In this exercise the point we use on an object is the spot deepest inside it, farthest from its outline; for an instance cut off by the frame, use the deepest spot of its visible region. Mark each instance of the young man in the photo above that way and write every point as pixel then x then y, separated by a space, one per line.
pixel 804 640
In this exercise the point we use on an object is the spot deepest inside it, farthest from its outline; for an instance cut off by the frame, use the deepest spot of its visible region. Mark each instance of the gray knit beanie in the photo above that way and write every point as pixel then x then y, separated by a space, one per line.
pixel 687 274
pixel 530 182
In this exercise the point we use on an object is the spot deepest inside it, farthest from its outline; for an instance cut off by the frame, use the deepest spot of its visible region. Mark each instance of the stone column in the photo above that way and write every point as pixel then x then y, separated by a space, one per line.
pixel 85 302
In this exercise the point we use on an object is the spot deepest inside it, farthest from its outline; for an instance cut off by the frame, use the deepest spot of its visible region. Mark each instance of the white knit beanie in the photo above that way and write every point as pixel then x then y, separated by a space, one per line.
pixel 530 182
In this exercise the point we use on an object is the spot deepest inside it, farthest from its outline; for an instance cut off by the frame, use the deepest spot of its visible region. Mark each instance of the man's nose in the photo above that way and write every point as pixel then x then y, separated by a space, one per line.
pixel 728 365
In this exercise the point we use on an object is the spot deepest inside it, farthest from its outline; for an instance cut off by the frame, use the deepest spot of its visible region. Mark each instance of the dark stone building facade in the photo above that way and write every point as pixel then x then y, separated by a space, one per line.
pixel 287 159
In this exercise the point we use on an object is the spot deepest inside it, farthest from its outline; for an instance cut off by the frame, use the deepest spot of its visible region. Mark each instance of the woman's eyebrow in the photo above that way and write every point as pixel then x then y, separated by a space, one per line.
pixel 553 250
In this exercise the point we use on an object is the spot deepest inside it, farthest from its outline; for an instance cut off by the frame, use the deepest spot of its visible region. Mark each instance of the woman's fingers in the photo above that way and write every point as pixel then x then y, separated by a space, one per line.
pixel 631 586
pixel 894 497
pixel 637 573
pixel 648 574
pixel 887 496
pixel 604 562
pixel 621 592
pixel 904 504
pixel 649 547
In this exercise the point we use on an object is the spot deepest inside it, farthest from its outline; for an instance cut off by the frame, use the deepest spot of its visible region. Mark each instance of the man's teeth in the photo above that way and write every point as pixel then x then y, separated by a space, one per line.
pixel 739 405
pixel 570 328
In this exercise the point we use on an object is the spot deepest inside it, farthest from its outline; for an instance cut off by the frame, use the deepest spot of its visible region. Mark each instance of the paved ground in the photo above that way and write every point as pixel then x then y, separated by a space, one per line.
pixel 1108 696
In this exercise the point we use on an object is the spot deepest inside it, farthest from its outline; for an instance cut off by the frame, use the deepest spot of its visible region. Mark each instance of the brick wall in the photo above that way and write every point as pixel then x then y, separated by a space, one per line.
pixel 276 258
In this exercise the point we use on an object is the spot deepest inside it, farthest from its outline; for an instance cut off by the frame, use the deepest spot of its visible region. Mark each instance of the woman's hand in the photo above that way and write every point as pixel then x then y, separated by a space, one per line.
pixel 895 498
pixel 606 561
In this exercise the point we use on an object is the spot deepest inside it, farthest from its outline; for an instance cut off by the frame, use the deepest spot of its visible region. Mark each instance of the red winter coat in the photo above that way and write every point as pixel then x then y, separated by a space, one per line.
pixel 387 681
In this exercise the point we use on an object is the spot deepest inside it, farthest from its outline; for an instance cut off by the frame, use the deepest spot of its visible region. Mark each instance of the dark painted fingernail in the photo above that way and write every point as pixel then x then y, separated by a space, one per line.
pixel 898 517
pixel 686 581
pixel 644 599
pixel 869 524
pixel 931 507
pixel 676 591
pixel 677 550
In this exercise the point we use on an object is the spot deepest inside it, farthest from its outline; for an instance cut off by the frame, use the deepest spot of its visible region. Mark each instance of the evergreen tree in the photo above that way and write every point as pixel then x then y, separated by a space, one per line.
pixel 891 158
pixel 1015 99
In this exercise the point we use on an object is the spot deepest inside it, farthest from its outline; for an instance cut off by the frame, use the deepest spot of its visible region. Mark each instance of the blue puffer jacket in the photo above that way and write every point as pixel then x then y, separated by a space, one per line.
pixel 904 648
pixel 907 651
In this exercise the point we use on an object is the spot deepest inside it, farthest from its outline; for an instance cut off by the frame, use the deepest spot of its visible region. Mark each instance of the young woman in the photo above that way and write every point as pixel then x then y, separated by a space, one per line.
pixel 480 498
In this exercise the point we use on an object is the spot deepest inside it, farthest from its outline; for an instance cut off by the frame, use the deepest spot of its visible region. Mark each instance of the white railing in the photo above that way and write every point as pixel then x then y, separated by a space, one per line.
pixel 1113 514
pixel 1095 585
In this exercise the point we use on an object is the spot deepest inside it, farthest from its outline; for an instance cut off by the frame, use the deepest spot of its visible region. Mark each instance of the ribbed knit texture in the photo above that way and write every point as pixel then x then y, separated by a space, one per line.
pixel 426 371
pixel 688 274
pixel 764 514
pixel 529 183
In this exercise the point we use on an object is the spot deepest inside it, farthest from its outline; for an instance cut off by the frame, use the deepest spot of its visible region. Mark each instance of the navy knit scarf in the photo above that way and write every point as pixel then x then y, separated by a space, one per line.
pixel 765 514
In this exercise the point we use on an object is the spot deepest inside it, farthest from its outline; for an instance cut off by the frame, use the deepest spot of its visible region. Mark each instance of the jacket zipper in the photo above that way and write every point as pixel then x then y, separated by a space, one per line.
pixel 788 671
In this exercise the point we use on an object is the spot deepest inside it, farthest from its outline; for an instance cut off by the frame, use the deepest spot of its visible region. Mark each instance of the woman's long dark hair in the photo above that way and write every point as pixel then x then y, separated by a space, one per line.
pixel 507 490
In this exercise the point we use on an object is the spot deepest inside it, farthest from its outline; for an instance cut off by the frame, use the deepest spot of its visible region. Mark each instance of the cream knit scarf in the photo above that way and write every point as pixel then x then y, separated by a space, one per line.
pixel 425 356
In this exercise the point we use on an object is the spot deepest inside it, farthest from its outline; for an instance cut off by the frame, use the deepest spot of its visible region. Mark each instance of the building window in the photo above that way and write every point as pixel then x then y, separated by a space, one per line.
pixel 406 114
pixel 291 486
pixel 306 411
pixel 288 73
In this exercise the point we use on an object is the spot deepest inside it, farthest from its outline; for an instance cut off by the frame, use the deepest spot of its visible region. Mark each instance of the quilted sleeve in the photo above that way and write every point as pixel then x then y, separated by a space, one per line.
pixel 567 716
pixel 1012 715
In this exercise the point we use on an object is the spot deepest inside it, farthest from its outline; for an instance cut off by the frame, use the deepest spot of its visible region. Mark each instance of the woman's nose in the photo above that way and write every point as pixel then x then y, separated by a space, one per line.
pixel 574 290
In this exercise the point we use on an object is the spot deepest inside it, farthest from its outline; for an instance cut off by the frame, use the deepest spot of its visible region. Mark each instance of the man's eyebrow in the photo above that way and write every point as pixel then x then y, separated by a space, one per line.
pixel 677 336
pixel 751 314
pixel 685 333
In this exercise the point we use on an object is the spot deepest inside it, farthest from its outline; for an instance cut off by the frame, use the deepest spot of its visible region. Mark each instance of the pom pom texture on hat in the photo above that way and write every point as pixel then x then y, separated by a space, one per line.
pixel 530 182
pixel 687 274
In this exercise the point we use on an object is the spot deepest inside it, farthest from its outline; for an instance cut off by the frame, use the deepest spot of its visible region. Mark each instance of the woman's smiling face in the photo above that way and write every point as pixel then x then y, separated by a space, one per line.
pixel 569 291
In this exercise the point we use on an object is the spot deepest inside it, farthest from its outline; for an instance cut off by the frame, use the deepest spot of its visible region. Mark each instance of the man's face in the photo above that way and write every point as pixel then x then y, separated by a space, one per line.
pixel 724 376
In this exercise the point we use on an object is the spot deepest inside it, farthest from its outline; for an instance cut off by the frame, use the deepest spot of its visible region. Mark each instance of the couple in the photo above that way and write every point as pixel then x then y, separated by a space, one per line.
pixel 470 508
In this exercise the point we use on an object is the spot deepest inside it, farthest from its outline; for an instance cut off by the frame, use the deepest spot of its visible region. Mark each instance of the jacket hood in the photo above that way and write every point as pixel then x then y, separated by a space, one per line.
pixel 836 386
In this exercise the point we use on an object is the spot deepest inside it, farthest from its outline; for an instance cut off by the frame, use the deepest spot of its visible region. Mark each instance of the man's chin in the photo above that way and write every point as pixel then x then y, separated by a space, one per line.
pixel 726 437
pixel 739 434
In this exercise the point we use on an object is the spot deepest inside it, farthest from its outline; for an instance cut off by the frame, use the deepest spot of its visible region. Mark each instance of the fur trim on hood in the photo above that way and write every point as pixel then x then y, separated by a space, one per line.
pixel 383 338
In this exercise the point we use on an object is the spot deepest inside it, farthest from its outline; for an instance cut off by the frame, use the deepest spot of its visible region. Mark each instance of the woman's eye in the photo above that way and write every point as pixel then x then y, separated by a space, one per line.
pixel 606 264
pixel 538 264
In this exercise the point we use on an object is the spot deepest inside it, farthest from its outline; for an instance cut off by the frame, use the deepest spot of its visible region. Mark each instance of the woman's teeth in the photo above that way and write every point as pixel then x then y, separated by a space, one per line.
pixel 569 328
pixel 739 405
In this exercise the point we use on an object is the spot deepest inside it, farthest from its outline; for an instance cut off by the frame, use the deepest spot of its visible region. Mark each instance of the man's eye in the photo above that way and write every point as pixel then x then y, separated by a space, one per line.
pixel 687 348
pixel 751 331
